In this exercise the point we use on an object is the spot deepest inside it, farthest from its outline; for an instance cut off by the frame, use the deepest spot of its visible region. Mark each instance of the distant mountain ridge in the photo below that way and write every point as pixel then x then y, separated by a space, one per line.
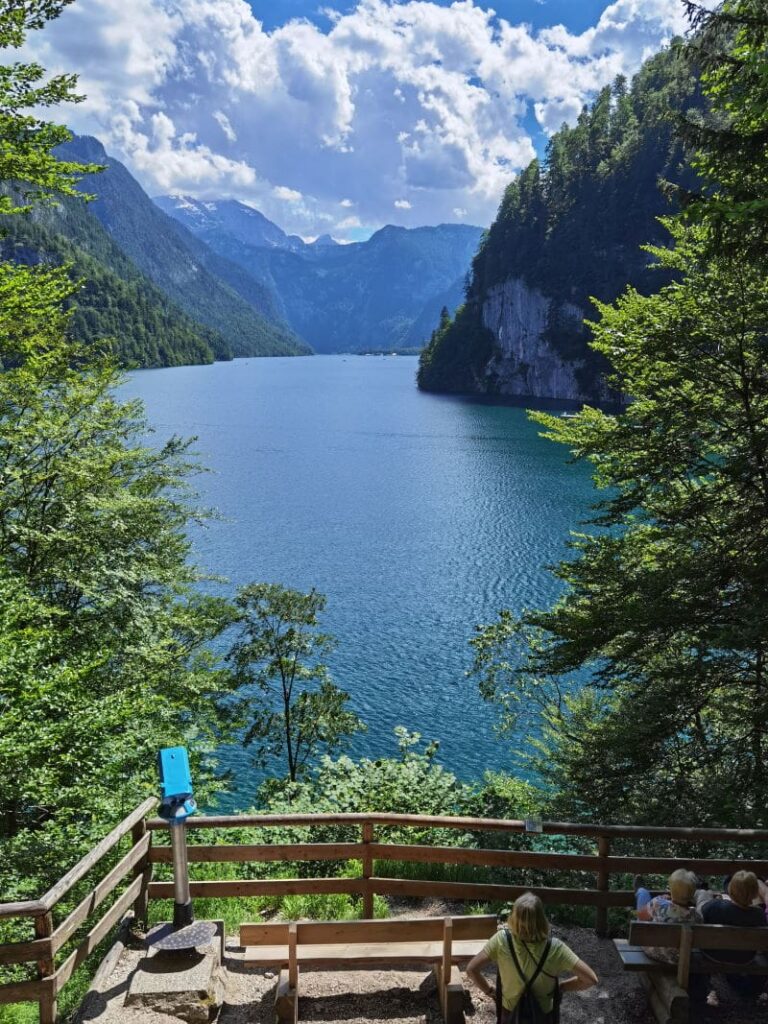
pixel 213 279
pixel 238 220
pixel 211 290
pixel 383 293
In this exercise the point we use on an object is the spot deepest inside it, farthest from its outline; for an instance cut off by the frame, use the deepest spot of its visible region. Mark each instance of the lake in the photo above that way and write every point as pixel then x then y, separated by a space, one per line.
pixel 418 516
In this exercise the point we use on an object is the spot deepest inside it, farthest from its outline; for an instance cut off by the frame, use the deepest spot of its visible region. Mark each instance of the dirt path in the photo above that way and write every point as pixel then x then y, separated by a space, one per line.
pixel 406 996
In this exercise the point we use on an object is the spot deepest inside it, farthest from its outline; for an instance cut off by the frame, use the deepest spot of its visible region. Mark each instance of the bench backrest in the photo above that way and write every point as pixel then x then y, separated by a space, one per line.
pixel 418 929
pixel 703 936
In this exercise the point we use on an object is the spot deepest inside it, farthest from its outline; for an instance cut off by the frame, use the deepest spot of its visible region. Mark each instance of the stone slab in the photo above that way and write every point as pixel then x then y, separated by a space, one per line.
pixel 189 986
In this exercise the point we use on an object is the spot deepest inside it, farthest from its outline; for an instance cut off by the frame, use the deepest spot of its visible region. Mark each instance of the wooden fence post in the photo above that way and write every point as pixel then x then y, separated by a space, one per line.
pixel 145 869
pixel 367 869
pixel 603 884
pixel 46 969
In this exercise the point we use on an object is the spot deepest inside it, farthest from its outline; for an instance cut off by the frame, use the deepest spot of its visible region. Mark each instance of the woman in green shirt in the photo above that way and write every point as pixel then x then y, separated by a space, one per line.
pixel 528 934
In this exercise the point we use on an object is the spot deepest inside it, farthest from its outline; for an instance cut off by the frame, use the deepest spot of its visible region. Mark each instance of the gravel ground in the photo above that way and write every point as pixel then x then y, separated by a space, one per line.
pixel 407 996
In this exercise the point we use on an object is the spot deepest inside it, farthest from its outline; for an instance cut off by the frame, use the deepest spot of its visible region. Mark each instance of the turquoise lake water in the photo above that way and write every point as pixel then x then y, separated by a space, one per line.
pixel 418 516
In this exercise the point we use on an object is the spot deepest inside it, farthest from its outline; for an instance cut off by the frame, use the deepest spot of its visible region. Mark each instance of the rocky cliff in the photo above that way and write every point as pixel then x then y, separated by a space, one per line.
pixel 568 229
pixel 524 362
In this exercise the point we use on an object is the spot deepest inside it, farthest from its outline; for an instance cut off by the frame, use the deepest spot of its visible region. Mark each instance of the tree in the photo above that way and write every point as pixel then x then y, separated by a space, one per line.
pixel 667 608
pixel 279 652
pixel 649 674
pixel 104 640
pixel 27 161
pixel 730 45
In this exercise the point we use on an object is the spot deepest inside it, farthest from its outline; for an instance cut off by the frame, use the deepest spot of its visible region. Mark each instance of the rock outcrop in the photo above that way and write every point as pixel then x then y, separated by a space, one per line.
pixel 524 361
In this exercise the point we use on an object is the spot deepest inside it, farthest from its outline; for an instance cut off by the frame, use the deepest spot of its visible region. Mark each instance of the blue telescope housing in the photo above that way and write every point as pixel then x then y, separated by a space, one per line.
pixel 176 800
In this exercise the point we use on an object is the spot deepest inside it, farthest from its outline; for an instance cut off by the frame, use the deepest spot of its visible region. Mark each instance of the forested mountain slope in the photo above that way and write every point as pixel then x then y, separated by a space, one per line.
pixel 386 292
pixel 213 291
pixel 117 306
pixel 568 230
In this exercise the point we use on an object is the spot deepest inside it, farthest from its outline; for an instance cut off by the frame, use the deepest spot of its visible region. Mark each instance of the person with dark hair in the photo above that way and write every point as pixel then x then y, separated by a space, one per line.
pixel 529 962
pixel 742 909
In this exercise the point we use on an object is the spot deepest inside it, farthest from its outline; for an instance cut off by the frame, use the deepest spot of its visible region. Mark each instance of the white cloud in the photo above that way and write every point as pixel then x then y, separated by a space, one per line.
pixel 348 223
pixel 289 195
pixel 459 212
pixel 225 124
pixel 413 102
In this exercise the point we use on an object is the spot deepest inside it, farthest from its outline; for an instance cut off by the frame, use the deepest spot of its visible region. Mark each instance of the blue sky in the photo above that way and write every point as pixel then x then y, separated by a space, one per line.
pixel 577 15
pixel 343 116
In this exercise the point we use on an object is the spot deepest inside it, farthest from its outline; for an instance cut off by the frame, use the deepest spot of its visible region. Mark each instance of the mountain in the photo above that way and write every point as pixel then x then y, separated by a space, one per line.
pixel 568 230
pixel 116 307
pixel 383 293
pixel 213 291
pixel 210 218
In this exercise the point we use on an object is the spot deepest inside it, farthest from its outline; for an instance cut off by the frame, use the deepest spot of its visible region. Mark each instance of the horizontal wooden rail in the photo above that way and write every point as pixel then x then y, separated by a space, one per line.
pixel 134 873
pixel 25 952
pixel 267 852
pixel 484 858
pixel 26 991
pixel 262 887
pixel 491 891
pixel 562 828
pixel 532 860
pixel 666 865
pixel 22 908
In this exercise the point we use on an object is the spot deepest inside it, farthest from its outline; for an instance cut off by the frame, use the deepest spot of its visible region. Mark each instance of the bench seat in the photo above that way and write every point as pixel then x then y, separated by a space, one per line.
pixel 339 954
pixel 667 984
pixel 439 943
pixel 634 958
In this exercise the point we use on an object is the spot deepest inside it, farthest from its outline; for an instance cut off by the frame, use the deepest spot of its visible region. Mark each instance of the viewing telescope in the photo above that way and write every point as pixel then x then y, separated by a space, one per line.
pixel 176 805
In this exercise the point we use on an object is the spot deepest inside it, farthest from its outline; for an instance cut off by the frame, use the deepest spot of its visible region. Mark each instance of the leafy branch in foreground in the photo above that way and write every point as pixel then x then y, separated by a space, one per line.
pixel 27 141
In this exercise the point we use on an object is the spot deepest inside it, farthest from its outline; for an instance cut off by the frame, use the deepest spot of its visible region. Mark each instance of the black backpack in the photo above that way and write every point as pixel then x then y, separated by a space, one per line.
pixel 528 1010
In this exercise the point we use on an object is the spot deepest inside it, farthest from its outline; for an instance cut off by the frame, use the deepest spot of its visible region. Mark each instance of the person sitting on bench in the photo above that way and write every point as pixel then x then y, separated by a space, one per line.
pixel 528 959
pixel 675 907
pixel 741 909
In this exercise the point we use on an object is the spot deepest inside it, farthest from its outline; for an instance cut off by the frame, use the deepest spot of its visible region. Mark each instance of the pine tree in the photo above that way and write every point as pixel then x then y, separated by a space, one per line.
pixel 650 674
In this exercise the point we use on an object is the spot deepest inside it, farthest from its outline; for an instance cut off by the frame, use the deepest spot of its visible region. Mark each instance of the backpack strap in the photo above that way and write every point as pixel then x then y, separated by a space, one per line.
pixel 528 982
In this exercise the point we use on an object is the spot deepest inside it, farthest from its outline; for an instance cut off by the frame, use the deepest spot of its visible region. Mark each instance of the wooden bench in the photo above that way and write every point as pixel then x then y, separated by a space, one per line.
pixel 667 984
pixel 442 943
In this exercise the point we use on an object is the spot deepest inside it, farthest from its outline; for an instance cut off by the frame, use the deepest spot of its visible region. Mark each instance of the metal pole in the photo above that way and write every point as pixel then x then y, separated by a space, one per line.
pixel 182 902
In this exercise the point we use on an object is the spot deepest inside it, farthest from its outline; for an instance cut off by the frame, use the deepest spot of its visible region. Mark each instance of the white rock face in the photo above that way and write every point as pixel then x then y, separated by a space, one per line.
pixel 525 363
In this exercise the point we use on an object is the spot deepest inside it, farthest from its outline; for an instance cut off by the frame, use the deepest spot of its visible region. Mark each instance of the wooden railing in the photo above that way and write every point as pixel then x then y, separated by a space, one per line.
pixel 51 937
pixel 138 863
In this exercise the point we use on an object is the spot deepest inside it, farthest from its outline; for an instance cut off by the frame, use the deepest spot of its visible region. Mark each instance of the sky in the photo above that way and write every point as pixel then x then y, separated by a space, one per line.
pixel 340 116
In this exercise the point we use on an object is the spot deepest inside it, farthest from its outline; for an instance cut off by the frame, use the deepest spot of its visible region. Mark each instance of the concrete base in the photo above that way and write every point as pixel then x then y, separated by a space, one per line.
pixel 187 986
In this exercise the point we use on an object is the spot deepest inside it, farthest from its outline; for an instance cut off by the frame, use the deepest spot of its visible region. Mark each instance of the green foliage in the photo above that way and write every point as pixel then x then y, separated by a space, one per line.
pixel 731 46
pixel 572 228
pixel 458 351
pixel 666 605
pixel 104 638
pixel 115 308
pixel 27 140
pixel 298 713
pixel 413 783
